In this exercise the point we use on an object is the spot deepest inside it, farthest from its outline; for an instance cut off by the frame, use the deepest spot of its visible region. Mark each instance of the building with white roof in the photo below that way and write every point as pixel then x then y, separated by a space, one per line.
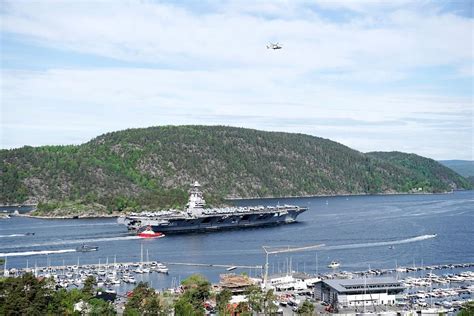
pixel 359 292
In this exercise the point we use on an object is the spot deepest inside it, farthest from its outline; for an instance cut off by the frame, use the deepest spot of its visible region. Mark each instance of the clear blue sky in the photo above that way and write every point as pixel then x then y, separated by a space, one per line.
pixel 373 75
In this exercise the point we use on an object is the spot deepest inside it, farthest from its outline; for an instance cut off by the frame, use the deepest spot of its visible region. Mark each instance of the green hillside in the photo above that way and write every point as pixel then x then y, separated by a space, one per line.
pixel 426 173
pixel 153 167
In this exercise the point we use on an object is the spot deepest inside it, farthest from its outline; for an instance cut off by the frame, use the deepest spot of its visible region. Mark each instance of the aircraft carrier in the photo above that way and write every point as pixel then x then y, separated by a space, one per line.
pixel 198 218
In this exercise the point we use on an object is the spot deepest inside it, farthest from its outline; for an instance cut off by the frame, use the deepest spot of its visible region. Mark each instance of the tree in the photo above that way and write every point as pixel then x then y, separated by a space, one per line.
pixel 223 299
pixel 145 301
pixel 99 307
pixel 255 298
pixel 156 306
pixel 182 307
pixel 467 309
pixel 62 302
pixel 306 309
pixel 270 307
pixel 25 295
pixel 243 309
pixel 196 291
pixel 135 302
pixel 88 288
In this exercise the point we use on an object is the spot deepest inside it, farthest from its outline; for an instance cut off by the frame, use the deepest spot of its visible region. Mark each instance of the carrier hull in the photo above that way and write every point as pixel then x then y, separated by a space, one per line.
pixel 214 223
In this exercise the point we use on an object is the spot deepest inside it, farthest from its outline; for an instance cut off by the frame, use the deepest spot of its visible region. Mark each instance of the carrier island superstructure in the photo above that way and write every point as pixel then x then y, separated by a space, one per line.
pixel 198 218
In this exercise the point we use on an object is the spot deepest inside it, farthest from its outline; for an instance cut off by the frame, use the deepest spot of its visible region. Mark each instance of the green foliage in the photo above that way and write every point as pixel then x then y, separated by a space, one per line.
pixel 255 298
pixel 12 188
pixel 152 168
pixel 243 309
pixel 196 292
pixel 145 301
pixel 89 284
pixel 425 174
pixel 467 309
pixel 222 300
pixel 62 302
pixel 269 307
pixel 100 307
pixel 182 307
pixel 307 309
pixel 27 295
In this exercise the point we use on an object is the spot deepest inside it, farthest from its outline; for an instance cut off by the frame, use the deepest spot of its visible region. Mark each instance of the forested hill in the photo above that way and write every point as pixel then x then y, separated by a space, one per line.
pixel 153 167
pixel 435 174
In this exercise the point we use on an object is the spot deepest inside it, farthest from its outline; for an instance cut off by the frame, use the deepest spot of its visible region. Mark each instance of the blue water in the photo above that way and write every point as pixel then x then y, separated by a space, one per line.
pixel 370 222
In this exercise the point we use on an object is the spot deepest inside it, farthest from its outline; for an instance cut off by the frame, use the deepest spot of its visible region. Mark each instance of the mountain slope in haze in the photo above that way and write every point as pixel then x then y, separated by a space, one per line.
pixel 463 167
pixel 153 167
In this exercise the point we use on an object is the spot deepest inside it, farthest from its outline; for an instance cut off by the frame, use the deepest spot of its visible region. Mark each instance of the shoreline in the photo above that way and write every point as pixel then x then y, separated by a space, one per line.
pixel 116 215
pixel 340 195
pixel 68 217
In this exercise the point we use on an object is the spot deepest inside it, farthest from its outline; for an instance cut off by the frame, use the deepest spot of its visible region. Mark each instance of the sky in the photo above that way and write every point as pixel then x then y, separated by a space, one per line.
pixel 392 75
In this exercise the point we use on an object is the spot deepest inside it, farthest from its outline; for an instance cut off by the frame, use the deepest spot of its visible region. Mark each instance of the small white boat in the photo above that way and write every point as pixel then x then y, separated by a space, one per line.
pixel 334 264
pixel 162 270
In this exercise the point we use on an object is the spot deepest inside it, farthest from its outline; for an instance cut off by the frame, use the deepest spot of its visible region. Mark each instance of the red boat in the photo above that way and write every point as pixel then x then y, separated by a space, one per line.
pixel 149 233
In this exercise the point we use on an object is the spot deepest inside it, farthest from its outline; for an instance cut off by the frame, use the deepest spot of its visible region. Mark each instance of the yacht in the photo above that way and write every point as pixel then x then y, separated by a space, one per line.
pixel 334 264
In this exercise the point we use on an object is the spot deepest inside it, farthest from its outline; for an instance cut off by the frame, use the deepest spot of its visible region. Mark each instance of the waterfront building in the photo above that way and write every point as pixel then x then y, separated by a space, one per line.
pixel 359 292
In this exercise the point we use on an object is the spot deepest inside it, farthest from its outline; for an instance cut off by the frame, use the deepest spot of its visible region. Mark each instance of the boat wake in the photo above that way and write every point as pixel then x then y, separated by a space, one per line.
pixel 379 244
pixel 34 252
pixel 77 241
pixel 13 235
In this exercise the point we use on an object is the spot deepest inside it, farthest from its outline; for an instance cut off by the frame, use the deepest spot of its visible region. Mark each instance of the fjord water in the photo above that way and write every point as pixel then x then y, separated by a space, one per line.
pixel 357 231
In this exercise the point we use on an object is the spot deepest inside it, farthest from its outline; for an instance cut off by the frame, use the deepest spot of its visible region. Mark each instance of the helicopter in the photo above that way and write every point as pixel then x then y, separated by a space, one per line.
pixel 274 46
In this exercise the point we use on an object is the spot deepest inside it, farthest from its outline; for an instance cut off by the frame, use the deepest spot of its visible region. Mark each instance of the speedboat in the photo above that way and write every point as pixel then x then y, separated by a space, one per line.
pixel 334 264
pixel 87 248
pixel 149 233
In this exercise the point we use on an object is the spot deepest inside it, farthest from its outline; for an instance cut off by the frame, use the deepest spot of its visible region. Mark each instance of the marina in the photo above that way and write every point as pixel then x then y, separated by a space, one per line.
pixel 446 291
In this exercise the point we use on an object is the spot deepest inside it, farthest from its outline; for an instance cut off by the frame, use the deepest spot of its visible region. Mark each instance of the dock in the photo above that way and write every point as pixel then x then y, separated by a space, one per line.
pixel 213 265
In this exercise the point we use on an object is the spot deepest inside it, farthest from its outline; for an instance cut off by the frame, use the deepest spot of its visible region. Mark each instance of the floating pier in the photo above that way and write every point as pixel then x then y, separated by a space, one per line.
pixel 213 265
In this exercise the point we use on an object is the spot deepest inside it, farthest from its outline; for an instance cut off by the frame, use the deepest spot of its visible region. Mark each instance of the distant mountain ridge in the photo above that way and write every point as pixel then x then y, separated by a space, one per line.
pixel 153 167
pixel 463 167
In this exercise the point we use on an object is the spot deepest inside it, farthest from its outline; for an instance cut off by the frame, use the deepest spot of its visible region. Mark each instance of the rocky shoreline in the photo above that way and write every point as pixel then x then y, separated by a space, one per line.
pixel 88 215
pixel 78 216
pixel 337 195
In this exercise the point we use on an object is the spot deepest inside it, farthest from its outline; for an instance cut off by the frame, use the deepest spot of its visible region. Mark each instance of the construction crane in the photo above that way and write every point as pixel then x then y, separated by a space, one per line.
pixel 269 250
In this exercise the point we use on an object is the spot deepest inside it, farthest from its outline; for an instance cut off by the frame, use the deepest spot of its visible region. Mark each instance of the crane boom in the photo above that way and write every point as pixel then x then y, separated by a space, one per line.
pixel 288 249
pixel 265 248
